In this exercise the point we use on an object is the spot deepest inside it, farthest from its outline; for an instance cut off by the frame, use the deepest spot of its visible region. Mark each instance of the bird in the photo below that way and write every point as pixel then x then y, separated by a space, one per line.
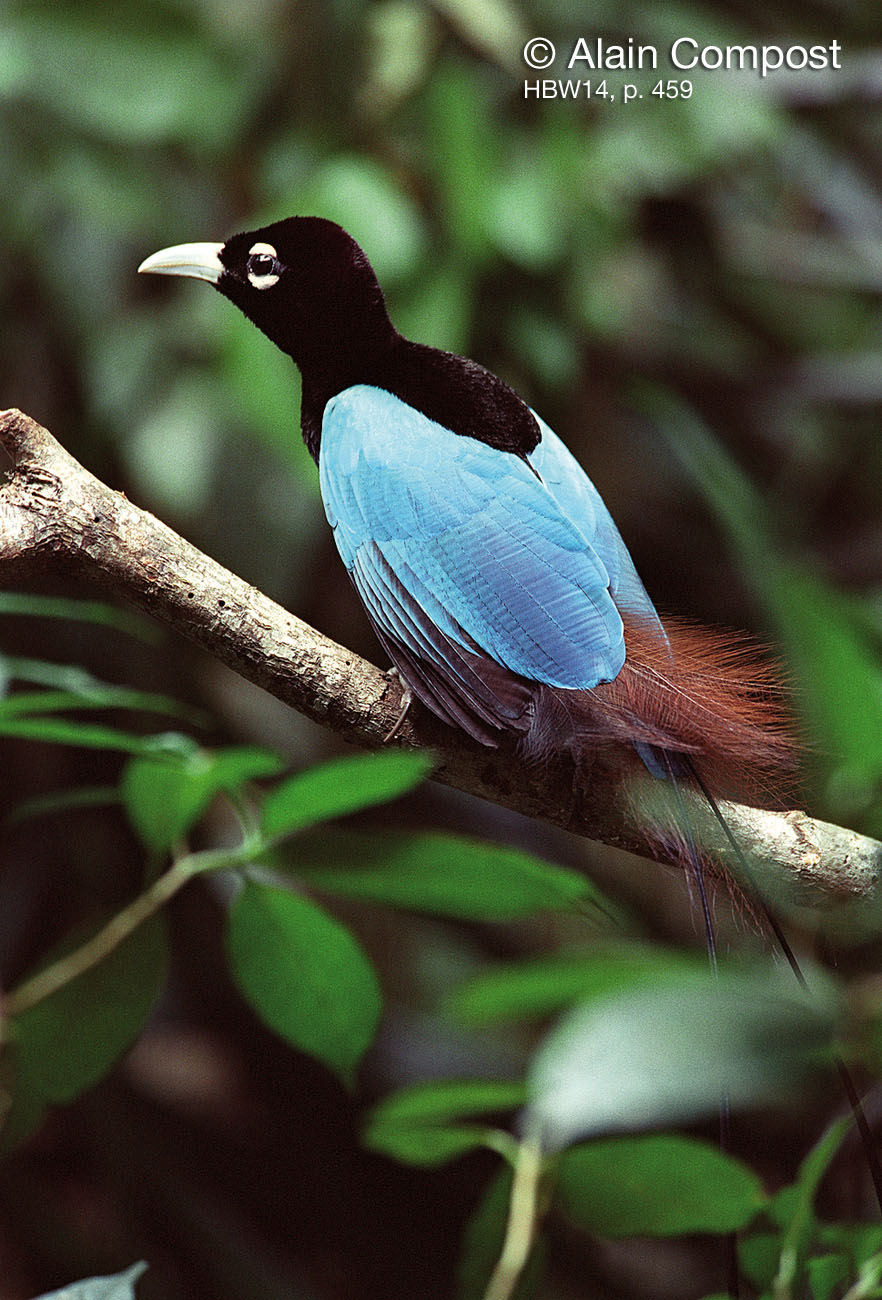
pixel 488 563
pixel 485 558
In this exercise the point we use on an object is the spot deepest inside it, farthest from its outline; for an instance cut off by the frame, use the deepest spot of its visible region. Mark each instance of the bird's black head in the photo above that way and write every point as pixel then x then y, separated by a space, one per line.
pixel 303 281
pixel 310 288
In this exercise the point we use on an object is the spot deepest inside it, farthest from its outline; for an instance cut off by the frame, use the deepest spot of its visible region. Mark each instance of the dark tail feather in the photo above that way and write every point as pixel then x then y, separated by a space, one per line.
pixel 748 878
pixel 693 858
pixel 848 1084
pixel 863 1128
pixel 696 870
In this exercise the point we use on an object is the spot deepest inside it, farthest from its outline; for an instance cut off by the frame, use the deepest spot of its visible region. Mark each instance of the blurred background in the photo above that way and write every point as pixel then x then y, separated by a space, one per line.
pixel 688 289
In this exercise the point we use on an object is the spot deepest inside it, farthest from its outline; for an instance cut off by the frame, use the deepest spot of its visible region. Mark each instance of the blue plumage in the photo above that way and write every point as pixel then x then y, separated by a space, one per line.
pixel 455 546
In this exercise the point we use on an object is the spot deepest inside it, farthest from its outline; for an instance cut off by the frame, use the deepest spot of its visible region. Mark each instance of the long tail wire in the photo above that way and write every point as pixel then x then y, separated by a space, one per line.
pixel 845 1076
pixel 733 1284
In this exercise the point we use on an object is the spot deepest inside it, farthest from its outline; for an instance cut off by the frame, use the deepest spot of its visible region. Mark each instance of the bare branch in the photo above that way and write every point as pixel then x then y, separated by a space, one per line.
pixel 54 512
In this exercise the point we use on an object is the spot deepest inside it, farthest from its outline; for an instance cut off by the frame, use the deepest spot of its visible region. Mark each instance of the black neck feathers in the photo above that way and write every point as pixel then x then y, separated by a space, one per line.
pixel 453 391
pixel 310 288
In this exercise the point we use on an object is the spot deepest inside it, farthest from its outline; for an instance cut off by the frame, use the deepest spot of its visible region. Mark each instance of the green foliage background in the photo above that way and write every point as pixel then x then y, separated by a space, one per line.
pixel 687 289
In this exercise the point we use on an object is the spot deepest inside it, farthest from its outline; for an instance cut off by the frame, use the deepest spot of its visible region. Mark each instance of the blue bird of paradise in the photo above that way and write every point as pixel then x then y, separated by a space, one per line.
pixel 485 558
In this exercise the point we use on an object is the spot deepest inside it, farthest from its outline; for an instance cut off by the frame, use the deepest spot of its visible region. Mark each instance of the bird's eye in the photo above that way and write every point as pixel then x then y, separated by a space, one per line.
pixel 263 266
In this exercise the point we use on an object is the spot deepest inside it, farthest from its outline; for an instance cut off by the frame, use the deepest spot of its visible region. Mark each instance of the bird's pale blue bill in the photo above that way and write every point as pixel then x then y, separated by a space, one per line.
pixel 202 261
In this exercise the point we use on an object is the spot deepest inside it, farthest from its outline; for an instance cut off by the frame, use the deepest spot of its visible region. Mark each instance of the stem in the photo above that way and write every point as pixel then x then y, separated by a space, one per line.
pixel 521 1226
pixel 61 972
pixel 82 959
pixel 867 1284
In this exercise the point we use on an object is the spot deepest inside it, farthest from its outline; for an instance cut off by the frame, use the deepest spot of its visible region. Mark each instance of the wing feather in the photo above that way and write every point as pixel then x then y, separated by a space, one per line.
pixel 481 576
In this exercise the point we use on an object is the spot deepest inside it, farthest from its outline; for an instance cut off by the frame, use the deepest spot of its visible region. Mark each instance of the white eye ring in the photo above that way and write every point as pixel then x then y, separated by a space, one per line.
pixel 264 273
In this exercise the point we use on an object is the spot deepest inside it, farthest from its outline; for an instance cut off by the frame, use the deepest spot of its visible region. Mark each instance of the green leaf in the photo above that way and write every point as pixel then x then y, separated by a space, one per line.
pixel 817 1162
pixel 66 1043
pixel 758 1254
pixel 84 735
pixel 85 611
pixel 342 786
pixel 401 40
pixel 748 1033
pixel 164 797
pixel 660 1185
pixel 43 805
pixel 144 82
pixel 793 1207
pixel 419 1125
pixel 305 975
pixel 42 672
pixel 495 27
pixel 529 212
pixel 439 307
pixel 537 988
pixel 119 1286
pixel 95 696
pixel 445 875
pixel 429 1145
pixel 446 1099
pixel 464 134
pixel 861 1241
pixel 826 1273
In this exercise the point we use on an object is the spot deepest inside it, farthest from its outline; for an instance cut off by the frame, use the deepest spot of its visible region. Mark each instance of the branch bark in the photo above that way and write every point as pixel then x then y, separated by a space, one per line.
pixel 53 513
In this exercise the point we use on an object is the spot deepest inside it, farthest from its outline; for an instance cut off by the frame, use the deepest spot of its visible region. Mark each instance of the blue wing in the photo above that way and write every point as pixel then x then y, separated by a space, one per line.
pixel 481 574
pixel 580 501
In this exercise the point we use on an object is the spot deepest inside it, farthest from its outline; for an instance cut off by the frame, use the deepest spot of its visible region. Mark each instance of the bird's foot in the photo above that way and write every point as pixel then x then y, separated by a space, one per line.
pixel 406 701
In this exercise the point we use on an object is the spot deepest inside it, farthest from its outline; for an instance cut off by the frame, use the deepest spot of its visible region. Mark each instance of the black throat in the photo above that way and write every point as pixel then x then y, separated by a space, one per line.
pixel 453 391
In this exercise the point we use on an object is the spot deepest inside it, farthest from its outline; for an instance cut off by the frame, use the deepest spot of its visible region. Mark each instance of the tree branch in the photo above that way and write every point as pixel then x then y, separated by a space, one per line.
pixel 53 512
